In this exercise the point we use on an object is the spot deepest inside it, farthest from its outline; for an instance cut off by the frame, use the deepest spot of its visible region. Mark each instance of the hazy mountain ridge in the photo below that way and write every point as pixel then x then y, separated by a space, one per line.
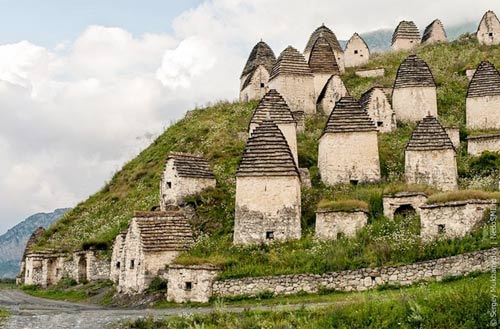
pixel 13 242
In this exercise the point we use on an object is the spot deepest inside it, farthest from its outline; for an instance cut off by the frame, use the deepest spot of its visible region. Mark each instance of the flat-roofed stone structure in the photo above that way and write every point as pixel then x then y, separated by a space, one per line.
pixel 430 157
pixel 43 268
pixel 332 92
pixel 356 52
pixel 414 93
pixel 371 73
pixel 482 106
pixel 328 34
pixel 268 196
pixel 434 32
pixel 190 283
pixel 273 107
pixel 32 241
pixel 348 147
pixel 254 80
pixel 322 63
pixel 184 174
pixel 117 261
pixel 452 219
pixel 406 36
pixel 333 224
pixel 478 144
pixel 378 107
pixel 293 79
pixel 488 31
pixel 402 203
pixel 153 241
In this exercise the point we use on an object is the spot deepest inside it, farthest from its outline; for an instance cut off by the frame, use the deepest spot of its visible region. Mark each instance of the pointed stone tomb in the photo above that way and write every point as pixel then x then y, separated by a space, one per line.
pixel 326 33
pixel 348 148
pixel 488 31
pixel 406 36
pixel 482 105
pixel 322 63
pixel 356 52
pixel 414 93
pixel 434 32
pixel 154 239
pixel 184 174
pixel 293 79
pixel 32 241
pixel 332 92
pixel 430 157
pixel 254 80
pixel 273 107
pixel 267 189
pixel 378 107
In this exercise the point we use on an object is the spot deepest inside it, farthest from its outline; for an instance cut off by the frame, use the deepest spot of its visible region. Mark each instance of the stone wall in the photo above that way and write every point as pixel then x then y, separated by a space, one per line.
pixel 98 268
pixel 356 52
pixel 258 86
pixel 359 280
pixel 413 104
pixel 452 219
pixel 482 112
pixel 333 91
pixel 469 73
pixel 488 32
pixel 278 218
pixel 394 202
pixel 404 44
pixel 331 224
pixel 380 110
pixel 117 257
pixel 320 80
pixel 289 130
pixel 190 283
pixel 372 73
pixel 298 92
pixel 436 168
pixel 348 157
pixel 478 144
pixel 454 134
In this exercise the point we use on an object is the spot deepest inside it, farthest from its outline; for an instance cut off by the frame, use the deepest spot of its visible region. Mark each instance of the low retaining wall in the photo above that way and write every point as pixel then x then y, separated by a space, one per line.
pixel 371 73
pixel 478 144
pixel 359 280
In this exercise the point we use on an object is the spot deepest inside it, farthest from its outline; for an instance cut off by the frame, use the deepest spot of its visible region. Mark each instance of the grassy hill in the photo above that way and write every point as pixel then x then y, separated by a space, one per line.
pixel 218 132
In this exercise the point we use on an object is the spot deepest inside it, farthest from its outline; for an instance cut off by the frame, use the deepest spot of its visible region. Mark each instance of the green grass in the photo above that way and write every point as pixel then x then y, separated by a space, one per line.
pixel 4 314
pixel 463 195
pixel 462 303
pixel 68 290
pixel 342 205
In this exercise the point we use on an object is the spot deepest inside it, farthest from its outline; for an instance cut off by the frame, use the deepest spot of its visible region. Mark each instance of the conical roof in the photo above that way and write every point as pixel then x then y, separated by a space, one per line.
pixel 326 33
pixel 414 72
pixel 429 135
pixel 322 58
pixel 433 28
pixel 290 61
pixel 406 30
pixel 272 107
pixel 348 116
pixel 267 153
pixel 261 54
pixel 485 82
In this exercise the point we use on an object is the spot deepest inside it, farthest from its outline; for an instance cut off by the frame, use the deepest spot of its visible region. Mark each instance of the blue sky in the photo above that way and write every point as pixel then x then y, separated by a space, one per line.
pixel 48 22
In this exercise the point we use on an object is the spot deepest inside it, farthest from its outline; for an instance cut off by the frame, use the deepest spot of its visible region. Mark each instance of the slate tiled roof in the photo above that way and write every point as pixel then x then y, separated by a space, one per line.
pixel 485 82
pixel 261 54
pixel 432 28
pixel 272 107
pixel 164 231
pixel 322 58
pixel 33 240
pixel 267 153
pixel 348 116
pixel 190 165
pixel 429 135
pixel 326 33
pixel 414 72
pixel 406 30
pixel 290 61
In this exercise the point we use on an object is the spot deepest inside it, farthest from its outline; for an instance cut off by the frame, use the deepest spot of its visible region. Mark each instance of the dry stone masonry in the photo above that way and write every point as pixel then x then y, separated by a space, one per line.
pixel 371 73
pixel 488 31
pixel 293 79
pixel 414 94
pixel 268 172
pixel 356 52
pixel 482 106
pixel 348 148
pixel 478 144
pixel 333 224
pixel 376 103
pixel 190 283
pixel 434 32
pixel 403 203
pixel 32 241
pixel 430 157
pixel 254 80
pixel 326 33
pixel 406 36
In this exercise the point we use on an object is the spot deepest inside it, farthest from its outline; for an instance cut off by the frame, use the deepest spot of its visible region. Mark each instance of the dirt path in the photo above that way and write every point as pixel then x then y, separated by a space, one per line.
pixel 30 312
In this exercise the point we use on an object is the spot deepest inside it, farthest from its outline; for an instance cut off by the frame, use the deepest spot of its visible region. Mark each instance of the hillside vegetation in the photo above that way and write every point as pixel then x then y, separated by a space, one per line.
pixel 219 133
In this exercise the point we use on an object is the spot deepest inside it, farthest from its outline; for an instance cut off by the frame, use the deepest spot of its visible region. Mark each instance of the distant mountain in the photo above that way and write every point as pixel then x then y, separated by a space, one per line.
pixel 380 40
pixel 13 242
